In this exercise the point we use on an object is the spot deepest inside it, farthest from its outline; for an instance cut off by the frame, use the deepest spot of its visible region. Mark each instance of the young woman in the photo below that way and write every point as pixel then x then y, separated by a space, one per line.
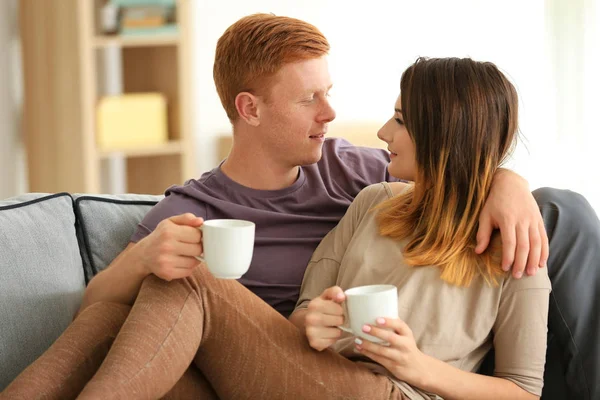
pixel 455 122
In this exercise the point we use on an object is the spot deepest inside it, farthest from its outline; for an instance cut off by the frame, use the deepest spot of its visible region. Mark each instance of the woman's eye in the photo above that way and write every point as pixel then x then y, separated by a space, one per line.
pixel 399 121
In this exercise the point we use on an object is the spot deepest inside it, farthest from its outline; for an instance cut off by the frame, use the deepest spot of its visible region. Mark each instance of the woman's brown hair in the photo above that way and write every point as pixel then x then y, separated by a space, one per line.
pixel 462 116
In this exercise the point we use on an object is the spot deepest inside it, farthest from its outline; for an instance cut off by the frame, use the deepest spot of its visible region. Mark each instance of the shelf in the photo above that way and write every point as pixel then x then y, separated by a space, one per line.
pixel 136 41
pixel 62 123
pixel 170 148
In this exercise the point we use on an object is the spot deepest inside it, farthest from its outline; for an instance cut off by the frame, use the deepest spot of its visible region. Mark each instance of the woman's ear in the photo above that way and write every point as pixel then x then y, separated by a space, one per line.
pixel 247 107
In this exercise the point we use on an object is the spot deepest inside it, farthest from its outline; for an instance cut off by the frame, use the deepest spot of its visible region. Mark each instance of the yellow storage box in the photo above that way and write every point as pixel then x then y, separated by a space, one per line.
pixel 131 121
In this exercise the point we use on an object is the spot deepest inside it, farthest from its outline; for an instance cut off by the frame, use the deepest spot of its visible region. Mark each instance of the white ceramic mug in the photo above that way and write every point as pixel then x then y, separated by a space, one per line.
pixel 228 247
pixel 364 304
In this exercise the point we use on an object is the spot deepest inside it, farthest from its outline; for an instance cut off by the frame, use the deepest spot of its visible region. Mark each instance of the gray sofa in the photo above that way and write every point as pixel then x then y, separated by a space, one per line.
pixel 50 247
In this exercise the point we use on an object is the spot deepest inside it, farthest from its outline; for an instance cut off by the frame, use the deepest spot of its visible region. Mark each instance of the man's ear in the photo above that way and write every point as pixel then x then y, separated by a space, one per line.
pixel 247 107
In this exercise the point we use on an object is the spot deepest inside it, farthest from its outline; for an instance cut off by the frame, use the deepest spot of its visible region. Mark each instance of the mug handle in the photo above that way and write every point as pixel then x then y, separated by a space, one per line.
pixel 346 319
pixel 199 258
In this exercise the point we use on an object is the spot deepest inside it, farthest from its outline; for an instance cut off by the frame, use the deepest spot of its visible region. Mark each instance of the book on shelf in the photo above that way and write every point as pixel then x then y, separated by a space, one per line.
pixel 143 17
pixel 139 17
pixel 169 29
pixel 141 3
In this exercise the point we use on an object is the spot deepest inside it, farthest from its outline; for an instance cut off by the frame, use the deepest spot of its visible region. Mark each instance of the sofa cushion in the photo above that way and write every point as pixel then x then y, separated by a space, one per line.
pixel 42 277
pixel 107 223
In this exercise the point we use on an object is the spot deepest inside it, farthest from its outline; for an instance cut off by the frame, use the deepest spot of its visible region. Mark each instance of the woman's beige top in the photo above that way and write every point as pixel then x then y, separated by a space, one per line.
pixel 457 325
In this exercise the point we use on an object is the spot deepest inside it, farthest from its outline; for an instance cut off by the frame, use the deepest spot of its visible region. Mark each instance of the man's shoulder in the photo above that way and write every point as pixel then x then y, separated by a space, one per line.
pixel 189 197
pixel 194 185
pixel 179 199
pixel 342 148
pixel 365 164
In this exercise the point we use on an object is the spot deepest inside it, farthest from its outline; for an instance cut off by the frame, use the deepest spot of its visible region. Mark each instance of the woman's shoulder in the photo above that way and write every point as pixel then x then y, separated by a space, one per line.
pixel 396 188
pixel 368 193
pixel 377 193
pixel 540 280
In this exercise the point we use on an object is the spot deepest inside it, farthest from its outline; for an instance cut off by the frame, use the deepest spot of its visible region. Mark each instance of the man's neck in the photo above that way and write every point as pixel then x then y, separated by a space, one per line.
pixel 253 169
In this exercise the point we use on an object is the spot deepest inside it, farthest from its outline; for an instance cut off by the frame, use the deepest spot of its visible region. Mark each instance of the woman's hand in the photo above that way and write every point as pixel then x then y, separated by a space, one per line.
pixel 402 357
pixel 512 209
pixel 324 315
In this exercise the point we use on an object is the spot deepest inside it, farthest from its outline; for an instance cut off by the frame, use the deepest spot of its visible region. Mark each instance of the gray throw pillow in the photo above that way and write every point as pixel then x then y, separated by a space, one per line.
pixel 42 277
pixel 107 222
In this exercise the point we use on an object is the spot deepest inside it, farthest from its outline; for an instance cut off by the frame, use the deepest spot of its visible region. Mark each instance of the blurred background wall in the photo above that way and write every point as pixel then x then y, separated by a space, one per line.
pixel 12 161
pixel 549 49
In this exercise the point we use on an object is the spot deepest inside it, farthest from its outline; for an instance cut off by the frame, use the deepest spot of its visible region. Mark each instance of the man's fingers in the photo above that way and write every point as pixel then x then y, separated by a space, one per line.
pixel 484 233
pixel 184 262
pixel 171 262
pixel 509 243
pixel 188 249
pixel 178 274
pixel 187 234
pixel 175 247
pixel 522 251
pixel 185 267
pixel 535 250
pixel 545 245
pixel 188 219
pixel 183 248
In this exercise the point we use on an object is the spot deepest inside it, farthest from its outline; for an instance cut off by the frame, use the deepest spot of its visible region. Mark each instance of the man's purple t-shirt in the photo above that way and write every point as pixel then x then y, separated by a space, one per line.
pixel 290 222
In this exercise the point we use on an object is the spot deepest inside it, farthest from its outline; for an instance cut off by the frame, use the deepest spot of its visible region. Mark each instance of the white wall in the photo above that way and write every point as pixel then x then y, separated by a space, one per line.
pixel 549 48
pixel 574 48
pixel 531 41
pixel 12 169
pixel 372 45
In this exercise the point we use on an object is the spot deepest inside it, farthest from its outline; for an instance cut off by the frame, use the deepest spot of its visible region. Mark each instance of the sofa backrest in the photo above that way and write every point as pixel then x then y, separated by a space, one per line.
pixel 106 223
pixel 50 247
pixel 42 277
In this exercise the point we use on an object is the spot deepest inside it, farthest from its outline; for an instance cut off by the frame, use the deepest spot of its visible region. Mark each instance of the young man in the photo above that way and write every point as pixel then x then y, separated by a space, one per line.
pixel 271 74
